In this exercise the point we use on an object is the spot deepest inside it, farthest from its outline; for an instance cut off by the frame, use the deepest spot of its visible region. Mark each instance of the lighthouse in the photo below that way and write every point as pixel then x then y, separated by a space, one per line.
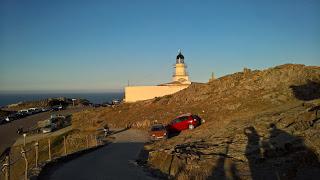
pixel 180 82
pixel 180 73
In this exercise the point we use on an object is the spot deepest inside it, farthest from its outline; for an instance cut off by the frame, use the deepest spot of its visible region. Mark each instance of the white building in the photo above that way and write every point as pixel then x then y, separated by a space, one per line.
pixel 180 81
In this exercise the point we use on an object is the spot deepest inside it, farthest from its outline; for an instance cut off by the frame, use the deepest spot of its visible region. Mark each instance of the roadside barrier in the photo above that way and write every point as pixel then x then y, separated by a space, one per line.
pixel 19 161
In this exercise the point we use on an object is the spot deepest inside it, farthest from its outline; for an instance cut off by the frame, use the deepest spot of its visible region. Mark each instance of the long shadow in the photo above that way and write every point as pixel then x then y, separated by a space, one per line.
pixel 221 171
pixel 142 161
pixel 253 151
pixel 282 156
pixel 173 134
pixel 119 131
pixel 5 153
pixel 116 161
pixel 307 92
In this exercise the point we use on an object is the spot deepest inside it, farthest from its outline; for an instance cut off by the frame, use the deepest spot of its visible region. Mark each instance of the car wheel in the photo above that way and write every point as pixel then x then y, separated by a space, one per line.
pixel 191 126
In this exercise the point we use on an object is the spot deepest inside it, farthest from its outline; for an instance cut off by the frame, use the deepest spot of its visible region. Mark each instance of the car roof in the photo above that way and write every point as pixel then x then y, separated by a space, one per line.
pixel 182 115
pixel 156 125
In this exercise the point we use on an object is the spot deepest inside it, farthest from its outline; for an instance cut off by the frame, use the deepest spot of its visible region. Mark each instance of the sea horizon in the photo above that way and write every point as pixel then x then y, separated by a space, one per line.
pixel 7 98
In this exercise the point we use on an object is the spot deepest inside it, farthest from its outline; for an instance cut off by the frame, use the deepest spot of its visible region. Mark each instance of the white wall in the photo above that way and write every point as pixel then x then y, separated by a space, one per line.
pixel 139 93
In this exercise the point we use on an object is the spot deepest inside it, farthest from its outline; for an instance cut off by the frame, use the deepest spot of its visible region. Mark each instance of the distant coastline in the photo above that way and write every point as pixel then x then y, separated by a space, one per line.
pixel 94 97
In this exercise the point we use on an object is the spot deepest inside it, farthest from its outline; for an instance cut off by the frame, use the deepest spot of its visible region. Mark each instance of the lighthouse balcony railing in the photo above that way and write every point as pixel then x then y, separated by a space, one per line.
pixel 185 65
pixel 174 74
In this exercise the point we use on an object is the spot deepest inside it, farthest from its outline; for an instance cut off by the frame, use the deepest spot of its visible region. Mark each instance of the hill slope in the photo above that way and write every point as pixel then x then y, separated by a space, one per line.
pixel 258 123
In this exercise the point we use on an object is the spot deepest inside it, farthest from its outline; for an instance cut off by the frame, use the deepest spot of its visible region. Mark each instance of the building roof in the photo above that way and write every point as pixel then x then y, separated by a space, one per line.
pixel 173 83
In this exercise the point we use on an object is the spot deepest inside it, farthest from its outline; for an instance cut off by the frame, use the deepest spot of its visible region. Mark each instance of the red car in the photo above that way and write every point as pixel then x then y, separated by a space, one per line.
pixel 182 122
pixel 158 131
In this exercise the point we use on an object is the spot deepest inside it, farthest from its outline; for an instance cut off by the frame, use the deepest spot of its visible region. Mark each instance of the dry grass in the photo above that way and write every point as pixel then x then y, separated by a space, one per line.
pixel 76 141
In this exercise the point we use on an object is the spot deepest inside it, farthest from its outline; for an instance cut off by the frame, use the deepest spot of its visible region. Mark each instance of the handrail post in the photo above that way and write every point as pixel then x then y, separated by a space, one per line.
pixel 23 153
pixel 7 167
pixel 91 140
pixel 65 145
pixel 49 149
pixel 87 141
pixel 37 153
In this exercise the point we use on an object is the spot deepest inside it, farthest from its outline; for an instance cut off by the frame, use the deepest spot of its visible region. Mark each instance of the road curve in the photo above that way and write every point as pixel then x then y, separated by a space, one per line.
pixel 8 133
pixel 114 161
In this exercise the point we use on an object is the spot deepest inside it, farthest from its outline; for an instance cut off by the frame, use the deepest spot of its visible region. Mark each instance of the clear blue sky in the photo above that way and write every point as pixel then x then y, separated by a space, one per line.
pixel 100 45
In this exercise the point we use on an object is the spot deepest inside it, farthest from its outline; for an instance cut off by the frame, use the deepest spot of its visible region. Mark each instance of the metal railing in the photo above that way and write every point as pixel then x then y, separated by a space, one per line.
pixel 16 162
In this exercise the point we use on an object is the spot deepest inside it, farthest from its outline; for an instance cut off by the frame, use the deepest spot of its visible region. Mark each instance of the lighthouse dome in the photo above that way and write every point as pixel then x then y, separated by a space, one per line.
pixel 180 58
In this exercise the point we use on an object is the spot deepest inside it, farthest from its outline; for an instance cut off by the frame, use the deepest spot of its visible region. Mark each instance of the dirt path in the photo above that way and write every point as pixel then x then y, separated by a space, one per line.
pixel 115 161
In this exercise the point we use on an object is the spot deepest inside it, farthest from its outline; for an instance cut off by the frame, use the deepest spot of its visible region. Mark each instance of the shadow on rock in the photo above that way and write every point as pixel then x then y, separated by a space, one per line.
pixel 307 92
pixel 110 133
pixel 224 169
pixel 281 156
pixel 173 134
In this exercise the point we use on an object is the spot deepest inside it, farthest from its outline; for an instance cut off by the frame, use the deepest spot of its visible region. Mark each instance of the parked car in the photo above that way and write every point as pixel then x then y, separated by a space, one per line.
pixel 26 111
pixel 57 108
pixel 116 101
pixel 158 131
pixel 55 122
pixel 183 122
pixel 20 115
pixel 44 109
pixel 2 120
pixel 96 105
pixel 34 110
pixel 106 104
pixel 11 117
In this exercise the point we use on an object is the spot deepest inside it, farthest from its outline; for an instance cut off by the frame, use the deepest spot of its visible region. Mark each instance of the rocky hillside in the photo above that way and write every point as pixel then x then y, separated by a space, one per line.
pixel 258 124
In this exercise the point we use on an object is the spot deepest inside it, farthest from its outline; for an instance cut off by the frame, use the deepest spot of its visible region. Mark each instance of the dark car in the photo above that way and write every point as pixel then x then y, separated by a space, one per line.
pixel 158 131
pixel 20 115
pixel 11 117
pixel 116 101
pixel 106 104
pixel 57 108
pixel 45 109
pixel 183 122
pixel 96 105
pixel 2 120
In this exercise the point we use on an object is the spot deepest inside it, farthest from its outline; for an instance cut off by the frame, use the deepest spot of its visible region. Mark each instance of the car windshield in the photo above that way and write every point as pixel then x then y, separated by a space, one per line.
pixel 196 117
pixel 157 128
pixel 180 119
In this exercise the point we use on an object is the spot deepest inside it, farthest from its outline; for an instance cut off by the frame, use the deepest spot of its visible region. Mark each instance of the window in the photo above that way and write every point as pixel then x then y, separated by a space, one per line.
pixel 157 128
pixel 184 118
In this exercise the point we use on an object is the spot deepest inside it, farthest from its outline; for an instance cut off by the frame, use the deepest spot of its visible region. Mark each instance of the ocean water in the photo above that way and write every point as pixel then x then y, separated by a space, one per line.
pixel 9 98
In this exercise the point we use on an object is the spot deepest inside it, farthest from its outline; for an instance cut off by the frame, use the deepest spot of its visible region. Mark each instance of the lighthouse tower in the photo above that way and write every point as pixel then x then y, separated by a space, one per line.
pixel 180 73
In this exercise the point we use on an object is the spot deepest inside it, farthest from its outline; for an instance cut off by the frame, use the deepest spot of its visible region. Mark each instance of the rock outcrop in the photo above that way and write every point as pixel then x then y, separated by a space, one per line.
pixel 259 125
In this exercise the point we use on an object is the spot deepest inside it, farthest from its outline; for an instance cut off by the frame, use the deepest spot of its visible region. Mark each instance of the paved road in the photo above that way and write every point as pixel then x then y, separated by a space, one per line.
pixel 114 161
pixel 8 133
